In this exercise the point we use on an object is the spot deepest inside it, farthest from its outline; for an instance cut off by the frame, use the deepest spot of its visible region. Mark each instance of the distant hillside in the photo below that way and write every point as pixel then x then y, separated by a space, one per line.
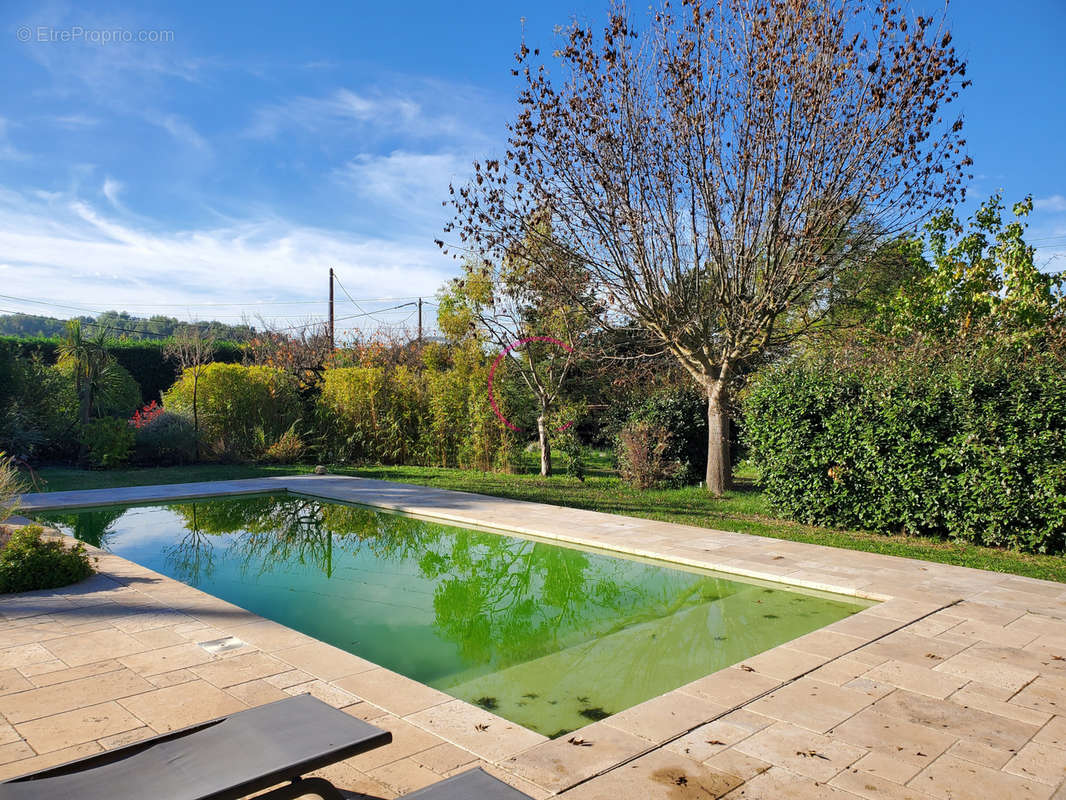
pixel 120 324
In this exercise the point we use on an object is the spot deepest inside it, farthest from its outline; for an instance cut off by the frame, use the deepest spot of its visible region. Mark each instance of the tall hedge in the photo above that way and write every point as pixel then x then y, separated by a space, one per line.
pixel 373 414
pixel 438 415
pixel 152 370
pixel 969 448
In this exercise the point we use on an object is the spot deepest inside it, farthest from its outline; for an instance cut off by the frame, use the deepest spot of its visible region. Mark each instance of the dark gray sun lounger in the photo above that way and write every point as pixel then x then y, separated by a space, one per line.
pixel 223 759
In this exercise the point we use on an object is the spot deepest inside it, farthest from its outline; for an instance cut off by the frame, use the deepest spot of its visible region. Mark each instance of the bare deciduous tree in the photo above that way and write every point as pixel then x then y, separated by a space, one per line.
pixel 193 349
pixel 720 169
pixel 305 351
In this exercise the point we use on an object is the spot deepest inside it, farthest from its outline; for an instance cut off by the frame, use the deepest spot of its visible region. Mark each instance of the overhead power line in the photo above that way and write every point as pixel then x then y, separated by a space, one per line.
pixel 340 319
pixel 247 314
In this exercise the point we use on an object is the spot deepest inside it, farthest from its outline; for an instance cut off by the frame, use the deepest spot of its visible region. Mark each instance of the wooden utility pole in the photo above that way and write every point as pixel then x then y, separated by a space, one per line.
pixel 332 346
pixel 420 320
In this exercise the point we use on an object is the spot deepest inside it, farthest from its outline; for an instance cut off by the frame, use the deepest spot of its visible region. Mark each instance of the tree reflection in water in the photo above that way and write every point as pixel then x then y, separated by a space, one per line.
pixel 547 636
pixel 500 600
pixel 92 526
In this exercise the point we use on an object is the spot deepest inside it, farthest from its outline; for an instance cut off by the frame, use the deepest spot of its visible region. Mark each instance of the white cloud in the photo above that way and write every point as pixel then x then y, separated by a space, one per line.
pixel 1054 203
pixel 64 251
pixel 74 121
pixel 111 190
pixel 315 114
pixel 415 110
pixel 415 183
pixel 182 131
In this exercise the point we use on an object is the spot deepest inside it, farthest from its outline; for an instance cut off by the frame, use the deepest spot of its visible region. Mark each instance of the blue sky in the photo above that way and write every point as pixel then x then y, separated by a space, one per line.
pixel 260 143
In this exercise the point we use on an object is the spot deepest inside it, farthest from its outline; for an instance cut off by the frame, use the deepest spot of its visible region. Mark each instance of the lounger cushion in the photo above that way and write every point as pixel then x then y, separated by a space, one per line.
pixel 226 758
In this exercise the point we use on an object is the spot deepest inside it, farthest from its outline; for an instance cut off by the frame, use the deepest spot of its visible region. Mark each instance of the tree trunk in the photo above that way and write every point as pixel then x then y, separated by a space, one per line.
pixel 719 468
pixel 85 399
pixel 545 445
pixel 195 419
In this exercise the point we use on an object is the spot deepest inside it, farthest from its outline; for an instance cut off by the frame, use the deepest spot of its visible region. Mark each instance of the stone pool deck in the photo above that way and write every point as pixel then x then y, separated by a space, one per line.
pixel 953 687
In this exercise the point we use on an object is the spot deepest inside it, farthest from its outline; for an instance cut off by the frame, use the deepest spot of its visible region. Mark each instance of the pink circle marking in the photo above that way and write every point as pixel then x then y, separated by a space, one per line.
pixel 501 357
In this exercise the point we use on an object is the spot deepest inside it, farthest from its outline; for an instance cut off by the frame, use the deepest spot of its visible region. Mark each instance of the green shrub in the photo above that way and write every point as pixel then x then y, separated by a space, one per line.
pixel 970 447
pixel 682 413
pixel 568 443
pixel 38 408
pixel 166 439
pixel 242 410
pixel 288 449
pixel 644 460
pixel 29 563
pixel 124 397
pixel 108 442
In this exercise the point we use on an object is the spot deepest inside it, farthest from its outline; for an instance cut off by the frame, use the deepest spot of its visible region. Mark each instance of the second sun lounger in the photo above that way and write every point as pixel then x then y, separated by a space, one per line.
pixel 474 784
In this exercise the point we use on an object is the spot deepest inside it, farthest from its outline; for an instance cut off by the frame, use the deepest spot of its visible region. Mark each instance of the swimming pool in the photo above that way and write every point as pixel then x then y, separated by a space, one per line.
pixel 549 637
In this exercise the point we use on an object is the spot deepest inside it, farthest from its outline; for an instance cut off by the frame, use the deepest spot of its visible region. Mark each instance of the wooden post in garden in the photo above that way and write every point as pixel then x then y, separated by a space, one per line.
pixel 332 347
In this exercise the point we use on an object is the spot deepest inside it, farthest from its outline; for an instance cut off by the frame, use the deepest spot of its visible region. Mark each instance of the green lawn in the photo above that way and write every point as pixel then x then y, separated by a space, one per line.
pixel 744 510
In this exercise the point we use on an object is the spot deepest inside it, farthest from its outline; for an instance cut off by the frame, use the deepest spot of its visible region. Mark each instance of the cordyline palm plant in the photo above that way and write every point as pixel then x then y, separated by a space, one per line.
pixel 96 375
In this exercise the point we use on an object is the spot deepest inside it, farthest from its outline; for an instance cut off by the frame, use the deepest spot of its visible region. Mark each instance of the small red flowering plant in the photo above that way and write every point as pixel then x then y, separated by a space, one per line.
pixel 143 417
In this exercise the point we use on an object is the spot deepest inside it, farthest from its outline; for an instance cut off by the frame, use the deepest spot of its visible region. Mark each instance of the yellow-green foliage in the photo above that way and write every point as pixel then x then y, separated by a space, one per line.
pixel 242 410
pixel 373 413
pixel 438 415
pixel 463 430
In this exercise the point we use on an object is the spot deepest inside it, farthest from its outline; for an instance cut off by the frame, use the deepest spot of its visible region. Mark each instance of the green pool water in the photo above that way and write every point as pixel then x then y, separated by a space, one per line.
pixel 549 637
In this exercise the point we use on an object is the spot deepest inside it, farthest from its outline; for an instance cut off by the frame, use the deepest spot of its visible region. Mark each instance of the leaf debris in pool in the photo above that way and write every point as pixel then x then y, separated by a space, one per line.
pixel 595 714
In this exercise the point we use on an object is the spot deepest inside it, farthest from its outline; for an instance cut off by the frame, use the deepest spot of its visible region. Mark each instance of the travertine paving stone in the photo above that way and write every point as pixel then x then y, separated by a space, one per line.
pixel 874 787
pixel 777 783
pixel 665 717
pixel 894 737
pixel 178 706
pixel 563 762
pixel 60 697
pixel 404 776
pixel 952 687
pixel 1041 762
pixel 477 730
pixel 801 751
pixel 811 704
pixel 731 687
pixel 84 648
pixel 382 685
pixel 917 679
pixel 971 667
pixel 78 726
pixel 952 778
pixel 660 775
